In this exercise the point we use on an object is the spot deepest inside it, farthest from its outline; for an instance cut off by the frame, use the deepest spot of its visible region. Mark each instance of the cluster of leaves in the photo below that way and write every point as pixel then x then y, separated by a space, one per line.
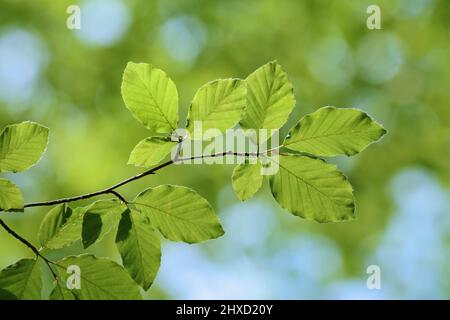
pixel 305 184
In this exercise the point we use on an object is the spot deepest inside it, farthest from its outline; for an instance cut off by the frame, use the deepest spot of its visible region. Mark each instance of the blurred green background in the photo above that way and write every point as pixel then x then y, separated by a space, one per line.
pixel 69 80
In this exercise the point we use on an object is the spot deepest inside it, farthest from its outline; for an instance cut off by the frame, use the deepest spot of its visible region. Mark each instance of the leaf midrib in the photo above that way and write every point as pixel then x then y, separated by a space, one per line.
pixel 153 98
pixel 326 136
pixel 309 184
pixel 166 213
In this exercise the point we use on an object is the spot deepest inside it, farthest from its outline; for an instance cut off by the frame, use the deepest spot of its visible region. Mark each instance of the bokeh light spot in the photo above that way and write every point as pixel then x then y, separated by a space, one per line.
pixel 331 62
pixel 103 22
pixel 379 57
pixel 22 58
pixel 183 38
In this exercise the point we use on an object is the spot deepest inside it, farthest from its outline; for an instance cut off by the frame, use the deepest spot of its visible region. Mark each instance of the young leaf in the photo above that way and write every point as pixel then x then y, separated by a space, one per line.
pixel 21 280
pixel 270 98
pixel 151 151
pixel 61 227
pixel 247 180
pixel 151 96
pixel 179 213
pixel 313 189
pixel 140 247
pixel 100 279
pixel 21 146
pixel 218 104
pixel 330 132
pixel 10 196
pixel 99 219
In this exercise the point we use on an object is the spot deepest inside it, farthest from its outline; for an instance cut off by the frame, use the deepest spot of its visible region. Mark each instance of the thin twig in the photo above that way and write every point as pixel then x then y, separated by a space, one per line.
pixel 118 195
pixel 29 245
pixel 111 190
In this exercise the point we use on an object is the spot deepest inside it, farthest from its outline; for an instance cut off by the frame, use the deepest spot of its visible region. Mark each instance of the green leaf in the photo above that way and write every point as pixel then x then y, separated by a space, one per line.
pixel 140 247
pixel 330 132
pixel 10 196
pixel 61 227
pixel 247 180
pixel 61 292
pixel 21 146
pixel 100 279
pixel 218 104
pixel 151 96
pixel 151 151
pixel 270 98
pixel 179 213
pixel 99 219
pixel 312 189
pixel 6 295
pixel 21 280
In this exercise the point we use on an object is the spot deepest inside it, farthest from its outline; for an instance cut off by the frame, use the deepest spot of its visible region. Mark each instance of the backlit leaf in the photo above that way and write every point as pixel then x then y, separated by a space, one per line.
pixel 218 104
pixel 10 196
pixel 140 247
pixel 312 189
pixel 61 227
pixel 151 96
pixel 100 279
pixel 331 131
pixel 179 213
pixel 247 180
pixel 151 151
pixel 21 280
pixel 270 98
pixel 99 219
pixel 22 145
